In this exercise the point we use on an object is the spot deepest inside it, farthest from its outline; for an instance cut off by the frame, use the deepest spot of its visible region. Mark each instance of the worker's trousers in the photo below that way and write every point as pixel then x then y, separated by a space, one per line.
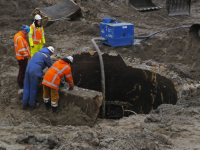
pixel 30 88
pixel 22 68
pixel 36 48
pixel 47 91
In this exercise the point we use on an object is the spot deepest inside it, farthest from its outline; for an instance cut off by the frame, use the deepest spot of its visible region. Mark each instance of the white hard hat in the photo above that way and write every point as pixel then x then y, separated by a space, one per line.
pixel 51 49
pixel 38 17
pixel 70 58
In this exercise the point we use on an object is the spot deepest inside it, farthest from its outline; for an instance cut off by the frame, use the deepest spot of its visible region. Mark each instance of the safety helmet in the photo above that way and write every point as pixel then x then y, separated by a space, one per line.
pixel 38 17
pixel 26 28
pixel 70 58
pixel 51 49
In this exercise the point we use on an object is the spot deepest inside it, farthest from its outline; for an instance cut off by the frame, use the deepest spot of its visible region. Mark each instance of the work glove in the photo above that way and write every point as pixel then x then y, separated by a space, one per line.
pixel 71 88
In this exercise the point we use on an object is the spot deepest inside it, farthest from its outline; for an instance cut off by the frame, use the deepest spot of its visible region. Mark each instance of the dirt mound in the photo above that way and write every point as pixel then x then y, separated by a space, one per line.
pixel 177 48
pixel 73 28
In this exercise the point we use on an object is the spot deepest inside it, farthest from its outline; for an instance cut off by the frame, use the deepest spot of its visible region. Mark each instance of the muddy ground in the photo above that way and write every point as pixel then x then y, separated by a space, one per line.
pixel 167 127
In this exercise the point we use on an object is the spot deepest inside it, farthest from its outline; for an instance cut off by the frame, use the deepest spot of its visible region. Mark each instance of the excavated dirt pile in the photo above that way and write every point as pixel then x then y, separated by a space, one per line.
pixel 174 55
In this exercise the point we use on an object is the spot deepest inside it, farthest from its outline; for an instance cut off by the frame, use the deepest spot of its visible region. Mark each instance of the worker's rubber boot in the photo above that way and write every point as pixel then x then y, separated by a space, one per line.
pixel 34 107
pixel 48 106
pixel 56 110
pixel 24 107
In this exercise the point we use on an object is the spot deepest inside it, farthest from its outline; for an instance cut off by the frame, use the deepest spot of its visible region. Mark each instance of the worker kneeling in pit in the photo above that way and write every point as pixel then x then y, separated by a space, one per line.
pixel 34 73
pixel 52 80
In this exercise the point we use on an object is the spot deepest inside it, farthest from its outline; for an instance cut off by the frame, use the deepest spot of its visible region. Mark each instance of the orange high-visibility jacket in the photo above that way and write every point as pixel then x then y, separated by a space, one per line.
pixel 55 73
pixel 22 49
pixel 36 35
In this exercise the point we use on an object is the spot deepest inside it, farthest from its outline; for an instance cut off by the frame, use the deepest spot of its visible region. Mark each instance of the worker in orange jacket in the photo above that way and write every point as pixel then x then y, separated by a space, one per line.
pixel 52 80
pixel 36 35
pixel 22 51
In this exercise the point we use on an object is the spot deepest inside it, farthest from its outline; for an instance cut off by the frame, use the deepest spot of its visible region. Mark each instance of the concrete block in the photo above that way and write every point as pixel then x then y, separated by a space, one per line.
pixel 88 100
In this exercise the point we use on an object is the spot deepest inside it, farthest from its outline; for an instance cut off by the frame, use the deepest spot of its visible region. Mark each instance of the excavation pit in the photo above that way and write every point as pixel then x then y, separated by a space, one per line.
pixel 194 32
pixel 127 89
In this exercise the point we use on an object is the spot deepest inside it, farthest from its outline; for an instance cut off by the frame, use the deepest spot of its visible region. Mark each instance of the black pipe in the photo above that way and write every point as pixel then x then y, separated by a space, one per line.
pixel 154 33
pixel 102 73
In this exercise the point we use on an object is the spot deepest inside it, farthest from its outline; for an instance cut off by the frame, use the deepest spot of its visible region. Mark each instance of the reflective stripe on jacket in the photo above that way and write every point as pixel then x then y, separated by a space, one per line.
pixel 55 73
pixel 22 49
pixel 36 35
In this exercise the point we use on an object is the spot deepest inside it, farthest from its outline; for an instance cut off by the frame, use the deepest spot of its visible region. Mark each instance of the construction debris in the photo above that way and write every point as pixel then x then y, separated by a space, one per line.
pixel 89 101
pixel 144 5
pixel 178 7
pixel 64 10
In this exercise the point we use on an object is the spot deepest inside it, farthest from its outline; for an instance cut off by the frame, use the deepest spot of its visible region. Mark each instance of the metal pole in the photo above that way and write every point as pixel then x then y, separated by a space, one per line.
pixel 102 72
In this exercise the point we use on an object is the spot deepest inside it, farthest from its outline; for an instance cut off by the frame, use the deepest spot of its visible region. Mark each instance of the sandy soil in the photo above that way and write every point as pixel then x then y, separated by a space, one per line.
pixel 168 127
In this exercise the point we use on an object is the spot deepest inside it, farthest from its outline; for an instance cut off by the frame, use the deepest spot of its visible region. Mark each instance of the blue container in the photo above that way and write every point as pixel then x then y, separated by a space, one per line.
pixel 117 33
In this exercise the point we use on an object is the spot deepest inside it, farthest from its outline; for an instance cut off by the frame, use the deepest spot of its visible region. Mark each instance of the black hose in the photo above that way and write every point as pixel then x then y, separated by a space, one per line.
pixel 147 36
pixel 102 73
